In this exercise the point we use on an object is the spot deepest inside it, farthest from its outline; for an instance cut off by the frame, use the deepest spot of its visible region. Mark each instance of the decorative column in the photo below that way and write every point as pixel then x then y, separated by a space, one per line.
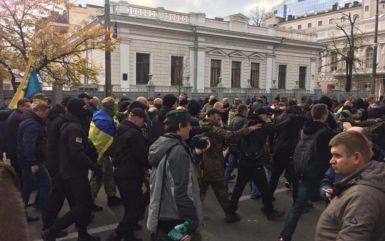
pixel 269 71
pixel 150 87
pixel 124 64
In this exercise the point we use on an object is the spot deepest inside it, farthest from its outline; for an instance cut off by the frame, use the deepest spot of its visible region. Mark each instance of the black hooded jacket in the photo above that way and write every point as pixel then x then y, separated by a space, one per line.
pixel 157 129
pixel 74 161
pixel 129 151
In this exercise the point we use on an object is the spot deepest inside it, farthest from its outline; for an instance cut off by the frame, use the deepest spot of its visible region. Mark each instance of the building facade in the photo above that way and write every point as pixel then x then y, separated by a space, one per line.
pixel 332 75
pixel 289 8
pixel 170 49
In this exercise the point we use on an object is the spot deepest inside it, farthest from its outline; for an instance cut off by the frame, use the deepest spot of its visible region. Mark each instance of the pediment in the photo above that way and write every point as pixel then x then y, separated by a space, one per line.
pixel 256 56
pixel 217 52
pixel 237 54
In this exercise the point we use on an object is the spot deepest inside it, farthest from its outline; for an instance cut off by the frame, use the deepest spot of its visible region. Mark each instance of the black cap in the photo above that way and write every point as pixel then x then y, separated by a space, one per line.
pixel 213 111
pixel 261 111
pixel 138 112
pixel 84 95
pixel 76 107
pixel 178 116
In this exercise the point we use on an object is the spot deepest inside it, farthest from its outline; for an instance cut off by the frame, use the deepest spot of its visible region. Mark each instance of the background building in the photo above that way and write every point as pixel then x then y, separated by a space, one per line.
pixel 170 49
pixel 323 24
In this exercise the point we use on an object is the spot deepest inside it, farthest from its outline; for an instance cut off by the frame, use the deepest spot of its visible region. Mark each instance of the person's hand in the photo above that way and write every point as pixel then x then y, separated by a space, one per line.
pixel 200 151
pixel 255 127
pixel 34 169
pixel 186 238
pixel 328 193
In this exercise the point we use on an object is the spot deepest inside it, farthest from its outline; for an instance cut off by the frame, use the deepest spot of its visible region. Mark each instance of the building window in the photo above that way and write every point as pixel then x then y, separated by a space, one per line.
pixel 369 57
pixel 275 11
pixel 333 62
pixel 366 8
pixel 356 17
pixel 309 25
pixel 176 70
pixel 282 76
pixel 254 75
pixel 236 74
pixel 299 27
pixel 319 23
pixel 302 77
pixel 330 21
pixel 142 68
pixel 215 73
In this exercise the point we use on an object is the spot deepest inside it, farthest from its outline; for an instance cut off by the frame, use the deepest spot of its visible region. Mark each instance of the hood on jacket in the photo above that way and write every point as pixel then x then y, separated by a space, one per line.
pixel 312 126
pixel 55 111
pixel 372 175
pixel 161 146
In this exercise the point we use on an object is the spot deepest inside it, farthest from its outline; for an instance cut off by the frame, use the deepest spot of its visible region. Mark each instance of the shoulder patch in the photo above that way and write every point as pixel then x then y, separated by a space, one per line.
pixel 79 140
pixel 353 220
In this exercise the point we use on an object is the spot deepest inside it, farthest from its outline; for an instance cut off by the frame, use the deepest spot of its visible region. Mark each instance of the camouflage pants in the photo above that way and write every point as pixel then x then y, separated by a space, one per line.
pixel 107 180
pixel 216 181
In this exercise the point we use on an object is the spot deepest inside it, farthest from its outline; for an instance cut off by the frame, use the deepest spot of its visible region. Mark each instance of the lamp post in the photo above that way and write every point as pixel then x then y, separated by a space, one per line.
pixel 107 87
pixel 375 47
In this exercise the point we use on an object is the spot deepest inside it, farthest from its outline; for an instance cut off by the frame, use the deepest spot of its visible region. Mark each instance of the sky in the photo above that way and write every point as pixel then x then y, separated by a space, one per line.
pixel 212 8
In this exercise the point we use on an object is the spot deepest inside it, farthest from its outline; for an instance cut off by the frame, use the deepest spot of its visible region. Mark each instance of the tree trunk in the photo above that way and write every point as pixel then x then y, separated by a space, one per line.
pixel 349 72
pixel 1 92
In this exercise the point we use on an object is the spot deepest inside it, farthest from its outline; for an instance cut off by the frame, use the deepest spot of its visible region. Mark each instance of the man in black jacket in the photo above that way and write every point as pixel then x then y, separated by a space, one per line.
pixel 129 156
pixel 52 159
pixel 157 129
pixel 74 167
pixel 251 165
pixel 319 134
pixel 13 122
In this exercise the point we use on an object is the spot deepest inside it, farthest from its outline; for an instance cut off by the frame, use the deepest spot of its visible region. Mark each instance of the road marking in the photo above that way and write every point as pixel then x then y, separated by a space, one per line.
pixel 110 227
pixel 279 190
pixel 95 230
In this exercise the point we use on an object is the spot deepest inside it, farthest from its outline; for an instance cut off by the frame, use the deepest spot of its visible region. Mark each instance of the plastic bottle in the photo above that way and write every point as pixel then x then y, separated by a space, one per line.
pixel 179 231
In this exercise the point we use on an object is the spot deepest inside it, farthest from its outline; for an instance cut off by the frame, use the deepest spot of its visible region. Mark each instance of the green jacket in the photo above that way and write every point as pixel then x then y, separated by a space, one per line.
pixel 213 162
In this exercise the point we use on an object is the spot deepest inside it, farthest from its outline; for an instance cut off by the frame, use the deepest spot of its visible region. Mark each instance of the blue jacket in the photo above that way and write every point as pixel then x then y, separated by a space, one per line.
pixel 328 182
pixel 31 140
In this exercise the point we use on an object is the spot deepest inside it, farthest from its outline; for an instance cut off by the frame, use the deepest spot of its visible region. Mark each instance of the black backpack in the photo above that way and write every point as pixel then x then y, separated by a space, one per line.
pixel 305 153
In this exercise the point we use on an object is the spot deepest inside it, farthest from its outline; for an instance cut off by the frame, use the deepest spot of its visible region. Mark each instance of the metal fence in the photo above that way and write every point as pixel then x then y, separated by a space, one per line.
pixel 219 92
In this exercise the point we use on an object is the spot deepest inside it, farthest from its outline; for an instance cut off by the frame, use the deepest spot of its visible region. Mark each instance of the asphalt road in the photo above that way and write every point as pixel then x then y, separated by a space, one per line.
pixel 253 227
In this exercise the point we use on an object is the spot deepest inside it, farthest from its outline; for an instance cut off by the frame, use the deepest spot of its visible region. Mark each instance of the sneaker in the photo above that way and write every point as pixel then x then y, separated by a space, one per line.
pixel 274 214
pixel 96 208
pixel 255 197
pixel 137 227
pixel 89 237
pixel 287 185
pixel 114 201
pixel 31 219
pixel 232 218
pixel 283 239
pixel 47 235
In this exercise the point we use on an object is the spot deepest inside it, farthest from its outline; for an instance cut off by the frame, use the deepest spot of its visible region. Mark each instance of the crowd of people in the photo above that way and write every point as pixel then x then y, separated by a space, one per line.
pixel 163 154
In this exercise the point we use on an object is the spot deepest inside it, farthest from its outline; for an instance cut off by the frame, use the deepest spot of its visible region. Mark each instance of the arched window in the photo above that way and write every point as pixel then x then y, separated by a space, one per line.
pixel 356 16
pixel 369 57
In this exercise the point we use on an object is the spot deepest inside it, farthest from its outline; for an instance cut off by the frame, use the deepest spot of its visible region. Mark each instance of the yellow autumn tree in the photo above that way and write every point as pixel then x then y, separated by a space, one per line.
pixel 39 29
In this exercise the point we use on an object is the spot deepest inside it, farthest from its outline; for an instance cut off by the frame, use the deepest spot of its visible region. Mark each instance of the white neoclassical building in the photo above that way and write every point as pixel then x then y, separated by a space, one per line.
pixel 168 49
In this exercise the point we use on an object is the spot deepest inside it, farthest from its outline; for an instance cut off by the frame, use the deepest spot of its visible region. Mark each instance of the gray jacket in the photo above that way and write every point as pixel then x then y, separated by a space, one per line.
pixel 179 199
pixel 357 211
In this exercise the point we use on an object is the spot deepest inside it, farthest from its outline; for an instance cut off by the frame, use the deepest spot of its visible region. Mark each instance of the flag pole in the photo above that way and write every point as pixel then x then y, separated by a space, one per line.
pixel 23 85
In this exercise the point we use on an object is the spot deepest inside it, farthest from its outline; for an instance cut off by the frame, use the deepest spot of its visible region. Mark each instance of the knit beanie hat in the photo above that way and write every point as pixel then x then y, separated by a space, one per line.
pixel 76 107
pixel 169 100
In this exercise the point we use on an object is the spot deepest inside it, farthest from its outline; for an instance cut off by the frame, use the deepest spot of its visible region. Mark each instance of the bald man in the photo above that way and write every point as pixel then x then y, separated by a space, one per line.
pixel 143 100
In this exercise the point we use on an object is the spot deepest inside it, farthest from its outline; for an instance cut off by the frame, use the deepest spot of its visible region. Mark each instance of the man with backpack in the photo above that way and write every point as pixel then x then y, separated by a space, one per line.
pixel 311 160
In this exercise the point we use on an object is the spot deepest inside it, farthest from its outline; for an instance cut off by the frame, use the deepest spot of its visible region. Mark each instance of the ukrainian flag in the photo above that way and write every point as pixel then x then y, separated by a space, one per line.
pixel 29 85
pixel 102 131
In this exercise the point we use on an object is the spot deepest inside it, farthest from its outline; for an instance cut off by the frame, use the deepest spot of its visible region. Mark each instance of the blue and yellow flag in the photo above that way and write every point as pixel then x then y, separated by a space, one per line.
pixel 102 131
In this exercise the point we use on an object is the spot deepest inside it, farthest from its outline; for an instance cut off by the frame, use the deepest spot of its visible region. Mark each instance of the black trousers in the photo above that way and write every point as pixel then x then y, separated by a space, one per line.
pixel 55 201
pixel 134 204
pixel 78 193
pixel 258 175
pixel 283 161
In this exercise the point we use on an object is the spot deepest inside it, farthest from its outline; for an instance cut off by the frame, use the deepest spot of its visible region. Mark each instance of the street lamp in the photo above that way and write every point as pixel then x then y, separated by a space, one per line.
pixel 374 70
